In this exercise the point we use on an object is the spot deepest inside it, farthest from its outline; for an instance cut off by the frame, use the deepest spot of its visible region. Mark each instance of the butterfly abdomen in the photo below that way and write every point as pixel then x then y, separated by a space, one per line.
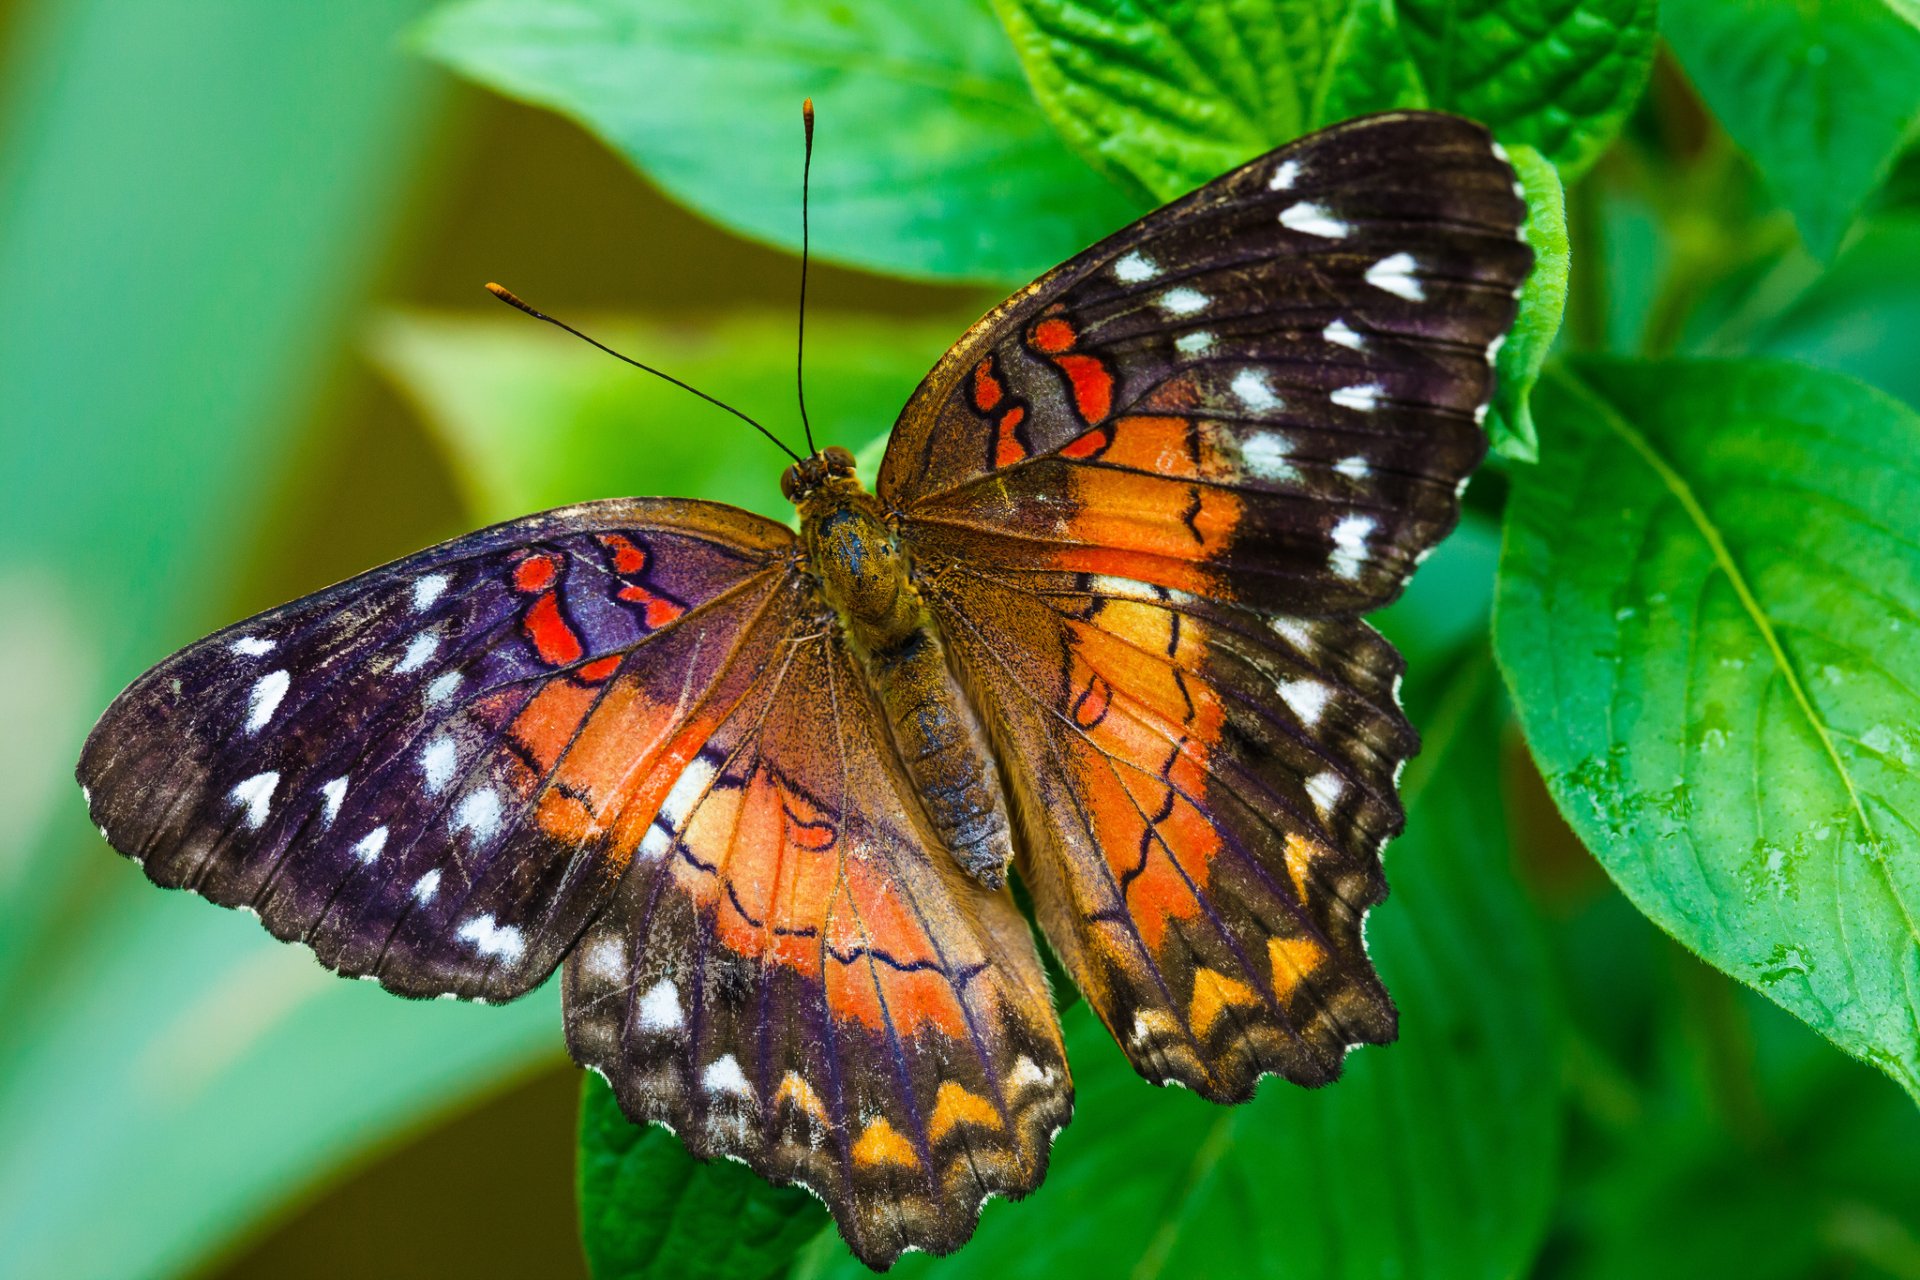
pixel 856 559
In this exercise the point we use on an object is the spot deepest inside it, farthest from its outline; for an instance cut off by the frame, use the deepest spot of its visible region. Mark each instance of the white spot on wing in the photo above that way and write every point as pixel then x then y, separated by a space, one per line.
pixel 428 589
pixel 1284 175
pixel 1136 267
pixel 251 646
pixel 606 959
pixel 1354 468
pixel 256 794
pixel 687 792
pixel 660 1007
pixel 1350 545
pixel 436 764
pixel 1294 630
pixel 1268 455
pixel 426 887
pixel 442 687
pixel 1197 343
pixel 371 845
pixel 502 941
pixel 1395 275
pixel 265 699
pixel 1493 348
pixel 419 649
pixel 1500 154
pixel 656 842
pixel 1365 397
pixel 333 793
pixel 723 1075
pixel 1254 392
pixel 1341 335
pixel 480 814
pixel 1326 790
pixel 1027 1073
pixel 1183 302
pixel 1313 219
pixel 1307 698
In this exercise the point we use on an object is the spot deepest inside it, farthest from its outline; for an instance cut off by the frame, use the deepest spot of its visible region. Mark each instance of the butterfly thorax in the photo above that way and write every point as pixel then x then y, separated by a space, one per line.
pixel 856 558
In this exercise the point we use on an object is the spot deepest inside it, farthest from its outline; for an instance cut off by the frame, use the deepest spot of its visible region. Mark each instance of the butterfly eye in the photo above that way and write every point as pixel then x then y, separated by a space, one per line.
pixel 790 483
pixel 839 460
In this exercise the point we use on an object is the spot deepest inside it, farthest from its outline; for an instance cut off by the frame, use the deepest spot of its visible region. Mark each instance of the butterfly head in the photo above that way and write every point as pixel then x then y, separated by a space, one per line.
pixel 831 467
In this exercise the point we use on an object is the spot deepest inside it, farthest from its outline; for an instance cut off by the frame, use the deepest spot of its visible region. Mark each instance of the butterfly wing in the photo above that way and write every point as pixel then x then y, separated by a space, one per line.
pixel 421 773
pixel 1269 391
pixel 795 975
pixel 1146 500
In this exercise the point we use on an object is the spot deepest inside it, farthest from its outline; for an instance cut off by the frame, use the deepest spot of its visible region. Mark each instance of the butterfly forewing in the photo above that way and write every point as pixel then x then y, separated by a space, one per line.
pixel 1268 392
pixel 1147 499
pixel 412 772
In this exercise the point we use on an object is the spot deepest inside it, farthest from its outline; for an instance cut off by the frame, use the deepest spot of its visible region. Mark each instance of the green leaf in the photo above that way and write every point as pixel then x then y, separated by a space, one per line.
pixel 533 419
pixel 650 1211
pixel 1709 615
pixel 932 158
pixel 1543 300
pixel 1860 314
pixel 1821 93
pixel 1164 97
pixel 1435 1156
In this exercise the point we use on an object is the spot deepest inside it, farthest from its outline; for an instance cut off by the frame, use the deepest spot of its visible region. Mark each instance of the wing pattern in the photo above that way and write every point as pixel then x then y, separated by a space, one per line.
pixel 795 975
pixel 391 771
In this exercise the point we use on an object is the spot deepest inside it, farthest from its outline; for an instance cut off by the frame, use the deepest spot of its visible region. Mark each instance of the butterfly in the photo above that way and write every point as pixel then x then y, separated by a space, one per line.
pixel 758 793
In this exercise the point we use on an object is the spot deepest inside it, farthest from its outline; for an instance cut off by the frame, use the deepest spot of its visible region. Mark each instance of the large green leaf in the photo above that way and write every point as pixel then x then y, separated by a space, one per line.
pixel 1821 93
pixel 1432 1157
pixel 648 1211
pixel 1164 97
pixel 531 418
pixel 933 159
pixel 1860 315
pixel 1709 615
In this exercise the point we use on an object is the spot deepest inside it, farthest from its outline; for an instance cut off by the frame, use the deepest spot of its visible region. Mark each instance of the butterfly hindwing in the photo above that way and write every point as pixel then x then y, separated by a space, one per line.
pixel 419 772
pixel 1204 794
pixel 795 975
pixel 1268 392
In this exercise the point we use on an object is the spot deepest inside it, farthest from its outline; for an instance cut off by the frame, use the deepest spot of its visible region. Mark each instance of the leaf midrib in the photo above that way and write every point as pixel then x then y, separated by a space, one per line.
pixel 1682 492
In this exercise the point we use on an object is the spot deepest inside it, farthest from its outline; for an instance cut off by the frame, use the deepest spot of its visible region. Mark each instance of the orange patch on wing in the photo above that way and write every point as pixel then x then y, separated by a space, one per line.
pixel 1213 993
pixel 881 1143
pixel 954 1106
pixel 599 669
pixel 1300 855
pixel 1292 960
pixel 1128 512
pixel 1160 445
pixel 795 1091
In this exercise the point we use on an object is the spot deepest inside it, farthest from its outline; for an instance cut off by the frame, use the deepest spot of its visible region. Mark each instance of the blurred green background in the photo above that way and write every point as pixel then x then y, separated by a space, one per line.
pixel 230 233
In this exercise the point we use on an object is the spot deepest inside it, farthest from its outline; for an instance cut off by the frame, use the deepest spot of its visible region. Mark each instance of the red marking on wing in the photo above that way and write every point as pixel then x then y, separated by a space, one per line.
pixel 627 558
pixel 553 637
pixel 1161 445
pixel 1092 384
pixel 536 573
pixel 987 390
pixel 1008 447
pixel 1090 445
pixel 599 669
pixel 659 610
pixel 1052 336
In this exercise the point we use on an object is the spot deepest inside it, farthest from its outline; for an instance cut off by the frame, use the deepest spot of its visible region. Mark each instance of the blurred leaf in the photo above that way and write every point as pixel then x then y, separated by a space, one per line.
pixel 1431 1157
pixel 1860 315
pixel 1821 94
pixel 649 1211
pixel 533 419
pixel 1707 610
pixel 1165 97
pixel 1543 299
pixel 933 159
pixel 196 199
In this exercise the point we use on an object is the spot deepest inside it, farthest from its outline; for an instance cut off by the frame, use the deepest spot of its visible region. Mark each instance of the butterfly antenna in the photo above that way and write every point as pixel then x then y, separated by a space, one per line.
pixel 513 300
pixel 800 349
